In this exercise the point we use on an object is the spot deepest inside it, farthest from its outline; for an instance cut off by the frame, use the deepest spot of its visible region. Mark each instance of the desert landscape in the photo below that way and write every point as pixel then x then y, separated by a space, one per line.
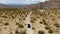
pixel 40 18
pixel 46 21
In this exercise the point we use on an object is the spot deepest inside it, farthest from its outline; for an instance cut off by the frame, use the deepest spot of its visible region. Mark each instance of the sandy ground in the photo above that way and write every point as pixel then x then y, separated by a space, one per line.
pixel 40 19
pixel 29 30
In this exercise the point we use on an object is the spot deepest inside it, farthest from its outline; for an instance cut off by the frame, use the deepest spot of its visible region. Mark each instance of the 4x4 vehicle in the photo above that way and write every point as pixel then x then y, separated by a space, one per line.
pixel 28 26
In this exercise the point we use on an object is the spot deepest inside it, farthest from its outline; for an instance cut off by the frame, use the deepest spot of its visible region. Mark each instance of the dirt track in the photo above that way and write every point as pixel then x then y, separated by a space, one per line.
pixel 10 22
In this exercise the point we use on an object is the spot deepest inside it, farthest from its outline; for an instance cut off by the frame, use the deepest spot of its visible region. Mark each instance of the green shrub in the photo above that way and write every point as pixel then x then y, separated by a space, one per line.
pixel 21 26
pixel 20 19
pixel 50 31
pixel 34 19
pixel 23 32
pixel 33 28
pixel 57 25
pixel 47 27
pixel 41 32
pixel 38 17
pixel 23 18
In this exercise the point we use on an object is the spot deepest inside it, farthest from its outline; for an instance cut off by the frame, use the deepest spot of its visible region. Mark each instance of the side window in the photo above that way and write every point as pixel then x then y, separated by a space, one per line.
pixel 29 26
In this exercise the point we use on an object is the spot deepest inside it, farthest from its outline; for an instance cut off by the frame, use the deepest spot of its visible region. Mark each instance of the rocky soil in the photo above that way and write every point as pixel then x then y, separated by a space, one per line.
pixel 43 21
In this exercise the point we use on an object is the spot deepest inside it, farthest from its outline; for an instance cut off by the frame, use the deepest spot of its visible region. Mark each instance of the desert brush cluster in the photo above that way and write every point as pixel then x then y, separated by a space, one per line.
pixel 46 21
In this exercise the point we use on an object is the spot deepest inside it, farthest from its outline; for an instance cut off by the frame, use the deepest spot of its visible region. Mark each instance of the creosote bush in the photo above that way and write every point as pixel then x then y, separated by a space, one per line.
pixel 44 22
pixel 38 17
pixel 13 17
pixel 20 26
pixel 16 32
pixel 32 21
pixel 23 32
pixel 50 31
pixel 5 16
pixel 57 25
pixel 41 22
pixel 41 32
pixel 33 28
pixel 6 23
pixel 47 27
pixel 17 23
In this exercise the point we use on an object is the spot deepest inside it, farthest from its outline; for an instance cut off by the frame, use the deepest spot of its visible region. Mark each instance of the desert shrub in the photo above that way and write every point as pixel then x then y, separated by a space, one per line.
pixel 16 32
pixel 50 31
pixel 17 23
pixel 47 27
pixel 38 17
pixel 5 16
pixel 23 18
pixel 41 22
pixel 20 19
pixel 10 32
pixel 33 28
pixel 44 22
pixel 41 32
pixel 23 32
pixel 13 17
pixel 57 25
pixel 32 21
pixel 6 23
pixel 21 26
pixel 59 17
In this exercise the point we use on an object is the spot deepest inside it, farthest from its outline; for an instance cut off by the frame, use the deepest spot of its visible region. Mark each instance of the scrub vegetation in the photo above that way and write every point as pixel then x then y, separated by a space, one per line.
pixel 43 22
